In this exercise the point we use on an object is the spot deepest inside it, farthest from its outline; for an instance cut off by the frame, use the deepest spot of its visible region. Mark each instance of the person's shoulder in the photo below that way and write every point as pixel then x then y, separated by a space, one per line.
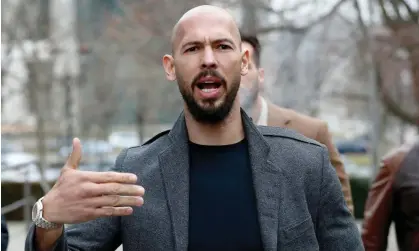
pixel 302 118
pixel 279 133
pixel 300 158
pixel 152 145
pixel 144 155
pixel 393 158
pixel 157 137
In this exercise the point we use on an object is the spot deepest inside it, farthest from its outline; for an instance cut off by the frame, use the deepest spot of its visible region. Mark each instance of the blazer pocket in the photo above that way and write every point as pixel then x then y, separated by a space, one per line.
pixel 300 236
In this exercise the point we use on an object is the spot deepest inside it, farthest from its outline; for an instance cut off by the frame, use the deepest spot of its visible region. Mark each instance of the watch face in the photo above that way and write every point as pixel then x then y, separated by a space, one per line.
pixel 35 211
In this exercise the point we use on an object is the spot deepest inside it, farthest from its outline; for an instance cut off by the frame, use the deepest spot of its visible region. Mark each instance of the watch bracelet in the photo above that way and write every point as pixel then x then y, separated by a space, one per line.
pixel 42 223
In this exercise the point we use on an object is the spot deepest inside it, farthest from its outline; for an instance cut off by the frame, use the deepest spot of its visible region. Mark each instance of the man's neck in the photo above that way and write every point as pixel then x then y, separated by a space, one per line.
pixel 257 109
pixel 229 131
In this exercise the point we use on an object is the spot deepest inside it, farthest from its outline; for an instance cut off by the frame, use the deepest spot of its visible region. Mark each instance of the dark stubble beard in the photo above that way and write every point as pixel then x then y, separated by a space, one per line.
pixel 209 114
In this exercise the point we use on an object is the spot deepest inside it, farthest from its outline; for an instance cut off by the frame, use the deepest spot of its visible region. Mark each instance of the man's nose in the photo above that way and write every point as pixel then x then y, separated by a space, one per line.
pixel 208 60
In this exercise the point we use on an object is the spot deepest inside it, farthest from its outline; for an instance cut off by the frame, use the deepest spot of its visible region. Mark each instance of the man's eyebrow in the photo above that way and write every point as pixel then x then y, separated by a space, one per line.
pixel 190 44
pixel 223 40
pixel 215 41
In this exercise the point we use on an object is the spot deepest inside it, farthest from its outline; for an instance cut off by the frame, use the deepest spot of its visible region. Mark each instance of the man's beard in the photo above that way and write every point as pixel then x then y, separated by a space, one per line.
pixel 248 97
pixel 210 114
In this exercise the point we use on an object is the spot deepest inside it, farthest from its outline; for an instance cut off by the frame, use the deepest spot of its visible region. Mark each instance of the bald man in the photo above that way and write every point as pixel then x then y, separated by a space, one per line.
pixel 213 182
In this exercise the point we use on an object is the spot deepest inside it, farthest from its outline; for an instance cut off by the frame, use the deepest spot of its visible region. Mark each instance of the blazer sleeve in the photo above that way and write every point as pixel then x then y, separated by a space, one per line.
pixel 325 138
pixel 101 234
pixel 378 210
pixel 336 227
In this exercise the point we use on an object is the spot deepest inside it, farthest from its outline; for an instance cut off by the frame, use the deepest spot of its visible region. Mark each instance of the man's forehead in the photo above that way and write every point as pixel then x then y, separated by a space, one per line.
pixel 212 22
pixel 209 27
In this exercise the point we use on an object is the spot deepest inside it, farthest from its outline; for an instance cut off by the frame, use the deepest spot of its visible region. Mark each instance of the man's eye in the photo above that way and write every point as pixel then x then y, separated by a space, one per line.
pixel 224 47
pixel 191 49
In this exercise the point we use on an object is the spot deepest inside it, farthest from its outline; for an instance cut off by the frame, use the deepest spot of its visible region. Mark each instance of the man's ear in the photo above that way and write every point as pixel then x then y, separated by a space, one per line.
pixel 169 67
pixel 261 77
pixel 245 63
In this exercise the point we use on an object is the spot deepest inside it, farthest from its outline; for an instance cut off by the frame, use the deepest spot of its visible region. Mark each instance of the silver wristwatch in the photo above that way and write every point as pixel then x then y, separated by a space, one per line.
pixel 37 218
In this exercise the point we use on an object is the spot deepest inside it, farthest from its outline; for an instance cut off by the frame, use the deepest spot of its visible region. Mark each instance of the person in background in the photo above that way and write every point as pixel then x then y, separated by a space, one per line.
pixel 394 197
pixel 265 113
pixel 4 234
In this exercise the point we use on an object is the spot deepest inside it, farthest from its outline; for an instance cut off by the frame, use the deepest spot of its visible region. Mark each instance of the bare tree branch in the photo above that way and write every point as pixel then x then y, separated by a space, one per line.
pixel 404 34
pixel 393 106
pixel 301 29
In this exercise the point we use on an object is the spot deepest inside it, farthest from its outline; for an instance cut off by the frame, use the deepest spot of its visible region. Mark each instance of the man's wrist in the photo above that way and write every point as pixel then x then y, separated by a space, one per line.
pixel 45 239
pixel 51 231
pixel 42 216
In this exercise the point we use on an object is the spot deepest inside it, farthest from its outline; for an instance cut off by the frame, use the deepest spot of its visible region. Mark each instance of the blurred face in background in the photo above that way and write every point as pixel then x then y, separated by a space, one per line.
pixel 207 64
pixel 252 82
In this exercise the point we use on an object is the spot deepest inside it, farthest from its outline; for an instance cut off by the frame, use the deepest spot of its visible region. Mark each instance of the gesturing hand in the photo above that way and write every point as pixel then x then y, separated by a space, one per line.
pixel 80 196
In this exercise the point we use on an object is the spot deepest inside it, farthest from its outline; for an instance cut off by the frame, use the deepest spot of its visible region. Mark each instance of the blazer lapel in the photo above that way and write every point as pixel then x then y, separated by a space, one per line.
pixel 266 181
pixel 174 164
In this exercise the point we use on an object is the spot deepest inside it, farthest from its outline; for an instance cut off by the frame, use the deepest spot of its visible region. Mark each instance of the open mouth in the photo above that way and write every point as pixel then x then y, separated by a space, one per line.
pixel 208 86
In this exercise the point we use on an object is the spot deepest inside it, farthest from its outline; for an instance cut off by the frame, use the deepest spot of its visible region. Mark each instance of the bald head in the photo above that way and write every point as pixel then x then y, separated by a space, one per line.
pixel 203 12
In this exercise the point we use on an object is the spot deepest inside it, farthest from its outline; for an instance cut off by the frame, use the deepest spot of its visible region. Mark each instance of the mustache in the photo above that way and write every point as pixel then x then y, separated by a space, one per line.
pixel 206 73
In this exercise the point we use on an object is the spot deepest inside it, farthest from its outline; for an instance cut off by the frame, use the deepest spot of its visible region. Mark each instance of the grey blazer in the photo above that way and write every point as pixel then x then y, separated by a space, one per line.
pixel 299 198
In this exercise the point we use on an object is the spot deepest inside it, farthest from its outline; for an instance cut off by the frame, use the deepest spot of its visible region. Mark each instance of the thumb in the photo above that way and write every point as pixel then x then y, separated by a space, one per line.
pixel 75 156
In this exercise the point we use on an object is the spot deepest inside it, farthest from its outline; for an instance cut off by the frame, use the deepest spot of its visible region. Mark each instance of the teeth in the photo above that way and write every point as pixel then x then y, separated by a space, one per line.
pixel 208 90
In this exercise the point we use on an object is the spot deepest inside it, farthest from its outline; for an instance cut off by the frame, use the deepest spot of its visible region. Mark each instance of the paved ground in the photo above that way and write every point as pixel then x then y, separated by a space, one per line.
pixel 18 234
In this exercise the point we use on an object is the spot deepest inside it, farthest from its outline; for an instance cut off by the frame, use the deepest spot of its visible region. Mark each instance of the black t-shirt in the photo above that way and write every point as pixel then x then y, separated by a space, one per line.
pixel 222 203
